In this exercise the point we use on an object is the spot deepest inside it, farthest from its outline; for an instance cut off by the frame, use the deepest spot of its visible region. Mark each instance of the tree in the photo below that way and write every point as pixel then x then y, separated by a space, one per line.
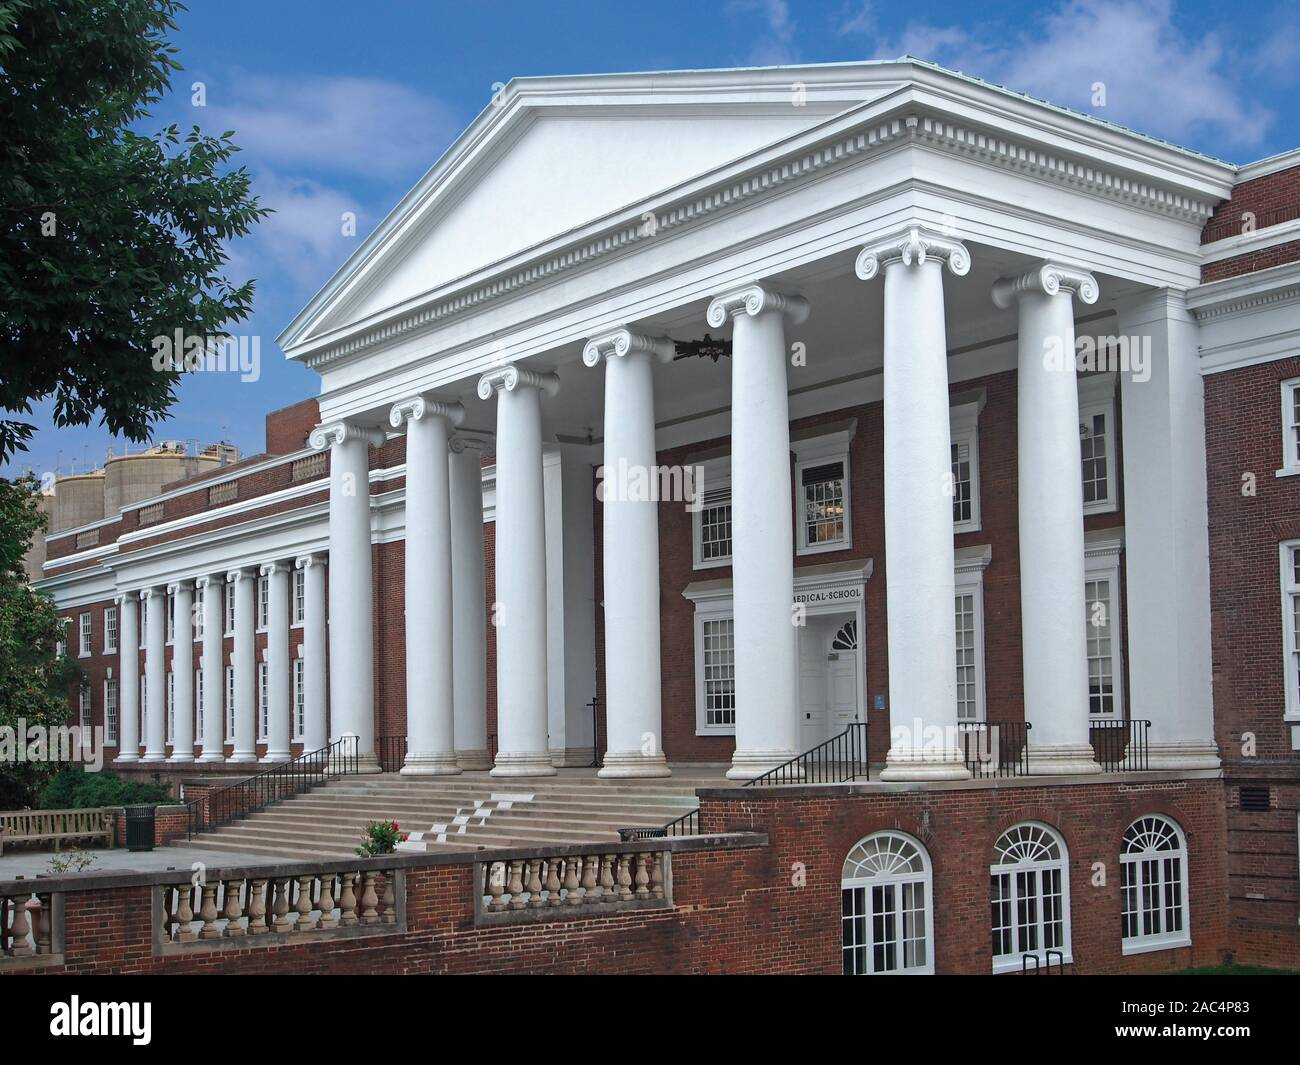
pixel 34 679
pixel 109 238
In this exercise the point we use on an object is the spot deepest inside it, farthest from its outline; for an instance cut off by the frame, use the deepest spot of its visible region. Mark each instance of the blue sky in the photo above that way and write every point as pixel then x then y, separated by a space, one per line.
pixel 341 107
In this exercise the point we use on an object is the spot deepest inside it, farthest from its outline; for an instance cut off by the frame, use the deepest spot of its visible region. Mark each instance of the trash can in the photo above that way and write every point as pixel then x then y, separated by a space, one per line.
pixel 139 828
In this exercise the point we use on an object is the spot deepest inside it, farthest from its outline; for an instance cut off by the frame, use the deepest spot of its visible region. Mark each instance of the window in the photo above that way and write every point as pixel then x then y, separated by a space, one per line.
pixel 1029 888
pixel 143 621
pixel 144 705
pixel 110 630
pixel 1102 607
pixel 299 596
pixel 198 612
pixel 1291 425
pixel 230 609
pixel 711 513
pixel 83 708
pixel 171 707
pixel 230 704
pixel 1097 442
pixel 263 602
pixel 299 698
pixel 1153 892
pixel 822 492
pixel 110 712
pixel 198 705
pixel 263 703
pixel 885 906
pixel 718 660
pixel 969 610
pixel 84 636
pixel 1291 626
pixel 963 425
pixel 171 617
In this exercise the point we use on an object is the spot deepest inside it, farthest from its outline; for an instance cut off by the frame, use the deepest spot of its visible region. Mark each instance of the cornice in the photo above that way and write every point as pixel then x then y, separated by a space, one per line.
pixel 1246 293
pixel 619 343
pixel 755 299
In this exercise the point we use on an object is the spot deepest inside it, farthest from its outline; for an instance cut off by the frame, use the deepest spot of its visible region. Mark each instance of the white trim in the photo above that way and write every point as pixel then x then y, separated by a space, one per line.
pixel 866 883
pixel 263 701
pixel 1290 588
pixel 968 578
pixel 963 428
pixel 1101 561
pixel 1097 396
pixel 822 451
pixel 712 475
pixel 85 635
pixel 263 604
pixel 1013 962
pixel 110 649
pixel 1144 944
pixel 112 721
pixel 1290 427
pixel 1254 241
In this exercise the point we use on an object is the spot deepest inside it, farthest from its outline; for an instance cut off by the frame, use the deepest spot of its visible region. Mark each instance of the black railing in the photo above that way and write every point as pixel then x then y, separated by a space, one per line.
pixel 841 758
pixel 237 801
pixel 391 752
pixel 686 825
pixel 1121 746
pixel 995 748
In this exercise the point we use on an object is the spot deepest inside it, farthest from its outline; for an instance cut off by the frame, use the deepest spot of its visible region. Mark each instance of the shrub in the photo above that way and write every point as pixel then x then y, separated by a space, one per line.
pixel 382 837
pixel 75 789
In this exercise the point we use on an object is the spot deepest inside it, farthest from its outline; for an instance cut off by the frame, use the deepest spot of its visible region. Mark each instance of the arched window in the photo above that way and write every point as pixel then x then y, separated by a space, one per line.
pixel 1153 885
pixel 1029 887
pixel 846 639
pixel 885 906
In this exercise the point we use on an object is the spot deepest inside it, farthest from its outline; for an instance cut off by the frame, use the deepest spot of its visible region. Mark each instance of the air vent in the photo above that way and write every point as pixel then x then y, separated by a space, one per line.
pixel 1253 799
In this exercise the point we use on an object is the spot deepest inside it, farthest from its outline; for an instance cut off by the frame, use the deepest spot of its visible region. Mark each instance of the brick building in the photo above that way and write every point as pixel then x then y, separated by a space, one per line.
pixel 760 410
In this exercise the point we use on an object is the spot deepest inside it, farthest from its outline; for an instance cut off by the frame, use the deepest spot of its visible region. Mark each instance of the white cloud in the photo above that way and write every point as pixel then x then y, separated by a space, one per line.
pixel 775 45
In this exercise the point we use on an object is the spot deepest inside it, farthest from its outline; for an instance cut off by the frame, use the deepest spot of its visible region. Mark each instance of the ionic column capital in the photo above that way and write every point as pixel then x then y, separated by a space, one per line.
pixel 125 597
pixel 1049 279
pixel 147 593
pixel 331 433
pixel 756 299
pixel 305 562
pixel 237 575
pixel 622 342
pixel 207 579
pixel 417 407
pixel 912 246
pixel 460 443
pixel 179 586
pixel 508 378
pixel 268 569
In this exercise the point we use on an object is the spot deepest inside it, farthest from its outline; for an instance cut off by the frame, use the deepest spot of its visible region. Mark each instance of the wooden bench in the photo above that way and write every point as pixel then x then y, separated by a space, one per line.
pixel 56 827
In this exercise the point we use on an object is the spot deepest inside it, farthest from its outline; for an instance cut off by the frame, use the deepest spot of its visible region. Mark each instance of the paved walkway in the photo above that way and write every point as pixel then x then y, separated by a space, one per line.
pixel 30 863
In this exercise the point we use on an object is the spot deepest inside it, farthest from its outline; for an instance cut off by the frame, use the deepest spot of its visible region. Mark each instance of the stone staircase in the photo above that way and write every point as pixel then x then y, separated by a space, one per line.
pixel 465 812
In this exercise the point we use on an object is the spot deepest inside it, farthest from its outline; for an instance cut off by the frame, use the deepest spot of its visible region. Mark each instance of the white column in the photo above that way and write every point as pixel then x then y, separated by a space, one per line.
pixel 244 661
pixel 430 724
pixel 351 593
pixel 469 604
pixel 630 532
pixel 277 662
pixel 128 683
pixel 154 603
pixel 183 671
pixel 919 560
pixel 1166 544
pixel 767 715
pixel 315 731
pixel 1050 490
pixel 213 666
pixel 520 609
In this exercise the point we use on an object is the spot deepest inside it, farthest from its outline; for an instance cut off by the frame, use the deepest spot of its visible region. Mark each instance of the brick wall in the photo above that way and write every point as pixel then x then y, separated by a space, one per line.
pixel 287 429
pixel 1271 199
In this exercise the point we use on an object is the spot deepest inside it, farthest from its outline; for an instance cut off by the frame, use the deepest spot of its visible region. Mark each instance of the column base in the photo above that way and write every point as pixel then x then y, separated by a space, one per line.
pixel 153 757
pixel 181 759
pixel 1062 759
pixel 523 764
pixel 276 756
pixel 210 759
pixel 634 764
pixel 746 765
pixel 243 756
pixel 430 764
pixel 368 763
pixel 476 760
pixel 573 758
pixel 1188 754
pixel 122 759
pixel 924 763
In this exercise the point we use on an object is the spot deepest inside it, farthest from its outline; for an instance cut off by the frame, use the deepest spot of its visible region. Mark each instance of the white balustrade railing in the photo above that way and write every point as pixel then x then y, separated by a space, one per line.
pixel 604 878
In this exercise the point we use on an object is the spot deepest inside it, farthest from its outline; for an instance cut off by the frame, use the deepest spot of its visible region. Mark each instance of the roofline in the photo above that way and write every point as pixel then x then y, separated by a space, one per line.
pixel 1270 164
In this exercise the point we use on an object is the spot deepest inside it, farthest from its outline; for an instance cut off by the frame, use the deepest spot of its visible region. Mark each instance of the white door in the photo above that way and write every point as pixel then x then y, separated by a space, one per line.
pixel 812 687
pixel 842 684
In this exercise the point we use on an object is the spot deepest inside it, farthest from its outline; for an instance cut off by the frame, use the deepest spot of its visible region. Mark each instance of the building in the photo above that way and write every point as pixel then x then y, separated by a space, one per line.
pixel 749 405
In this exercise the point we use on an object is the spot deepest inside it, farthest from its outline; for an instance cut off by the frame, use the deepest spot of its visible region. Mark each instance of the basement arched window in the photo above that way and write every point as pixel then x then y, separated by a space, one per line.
pixel 885 893
pixel 1029 889
pixel 1153 886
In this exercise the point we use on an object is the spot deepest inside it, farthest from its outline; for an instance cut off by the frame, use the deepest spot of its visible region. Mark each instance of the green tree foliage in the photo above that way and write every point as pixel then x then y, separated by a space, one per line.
pixel 109 237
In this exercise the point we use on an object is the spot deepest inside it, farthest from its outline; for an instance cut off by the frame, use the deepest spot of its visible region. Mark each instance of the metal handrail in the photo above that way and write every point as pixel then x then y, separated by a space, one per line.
pixel 841 758
pixel 236 801
pixel 391 752
pixel 1121 746
pixel 1011 757
pixel 686 825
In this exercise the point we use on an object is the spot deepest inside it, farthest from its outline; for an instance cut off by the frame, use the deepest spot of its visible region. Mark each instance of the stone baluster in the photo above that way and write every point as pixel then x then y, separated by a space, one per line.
pixel 516 886
pixel 571 897
pixel 208 912
pixel 590 873
pixel 607 891
pixel 43 903
pixel 347 901
pixel 552 881
pixel 624 877
pixel 389 902
pixel 280 906
pixel 326 903
pixel 657 876
pixel 185 913
pixel 495 875
pixel 642 862
pixel 534 883
pixel 233 910
pixel 304 907
pixel 369 900
pixel 257 909
pixel 167 919
pixel 18 931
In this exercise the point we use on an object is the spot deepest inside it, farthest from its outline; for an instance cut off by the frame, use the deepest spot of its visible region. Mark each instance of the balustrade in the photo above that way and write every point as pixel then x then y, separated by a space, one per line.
pixel 603 878
pixel 26 925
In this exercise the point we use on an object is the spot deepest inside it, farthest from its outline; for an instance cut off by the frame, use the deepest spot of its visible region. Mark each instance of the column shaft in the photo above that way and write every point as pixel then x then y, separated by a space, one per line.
pixel 469 605
pixel 154 601
pixel 128 686
pixel 244 661
pixel 315 681
pixel 277 663
pixel 183 672
pixel 214 670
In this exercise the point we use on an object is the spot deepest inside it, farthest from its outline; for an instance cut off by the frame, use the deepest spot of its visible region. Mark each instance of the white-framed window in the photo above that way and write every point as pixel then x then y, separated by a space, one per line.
pixel 1097 443
pixel 823 497
pixel 197 622
pixel 110 711
pixel 83 708
pixel 1290 559
pixel 171 618
pixel 263 701
pixel 84 647
pixel 1029 889
pixel 299 698
pixel 711 513
pixel 171 707
pixel 969 613
pixel 1153 886
pixel 143 621
pixel 963 426
pixel 263 603
pixel 717 657
pixel 1103 613
pixel 110 630
pixel 1291 425
pixel 230 609
pixel 885 909
pixel 299 597
pixel 230 704
pixel 144 704
pixel 198 705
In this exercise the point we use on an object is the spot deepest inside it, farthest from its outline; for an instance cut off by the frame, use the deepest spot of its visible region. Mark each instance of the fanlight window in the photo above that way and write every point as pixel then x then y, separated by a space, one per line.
pixel 1029 890
pixel 885 907
pixel 1153 887
pixel 847 637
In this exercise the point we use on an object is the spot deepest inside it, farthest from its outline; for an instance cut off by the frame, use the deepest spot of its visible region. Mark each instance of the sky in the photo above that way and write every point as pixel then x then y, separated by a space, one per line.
pixel 340 107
